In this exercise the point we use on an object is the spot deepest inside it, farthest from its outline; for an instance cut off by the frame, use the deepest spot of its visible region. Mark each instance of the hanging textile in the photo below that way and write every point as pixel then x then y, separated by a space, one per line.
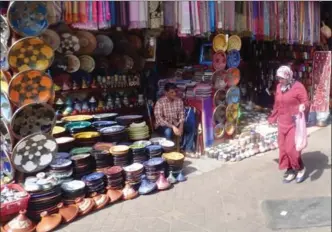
pixel 266 19
pixel 156 14
pixel 143 14
pixel 133 15
pixel 169 14
pixel 220 15
pixel 194 17
pixel 184 19
pixel 212 16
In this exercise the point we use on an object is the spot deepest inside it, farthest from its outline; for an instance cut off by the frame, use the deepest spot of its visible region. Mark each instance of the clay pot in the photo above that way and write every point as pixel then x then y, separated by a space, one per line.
pixel 181 177
pixel 162 183
pixel 146 186
pixel 85 205
pixel 114 195
pixel 20 223
pixel 68 212
pixel 129 193
pixel 171 179
pixel 48 222
pixel 101 200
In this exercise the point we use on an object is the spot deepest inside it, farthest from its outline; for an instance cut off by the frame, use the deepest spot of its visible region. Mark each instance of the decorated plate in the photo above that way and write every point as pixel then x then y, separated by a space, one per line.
pixel 4 65
pixel 112 129
pixel 143 143
pixel 219 130
pixel 233 77
pixel 101 124
pixel 219 114
pixel 63 140
pixel 76 118
pixel 6 168
pixel 233 59
pixel 4 30
pixel 87 135
pixel 219 79
pixel 88 42
pixel 133 167
pixel 30 87
pixel 129 117
pixel 230 128
pixel 69 44
pixel 28 18
pixel 219 60
pixel 73 63
pixel 233 95
pixel 157 140
pixel 232 112
pixel 77 125
pixel 7 141
pixel 234 43
pixel 72 186
pixel 6 108
pixel 104 45
pixel 87 63
pixel 58 130
pixel 62 155
pixel 154 148
pixel 94 176
pixel 103 116
pixel 34 153
pixel 154 161
pixel 219 97
pixel 219 43
pixel 52 38
pixel 33 118
pixel 60 163
pixel 173 156
pixel 30 53
pixel 4 78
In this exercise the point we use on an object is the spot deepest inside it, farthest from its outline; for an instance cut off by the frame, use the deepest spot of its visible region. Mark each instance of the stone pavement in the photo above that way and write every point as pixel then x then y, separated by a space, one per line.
pixel 227 198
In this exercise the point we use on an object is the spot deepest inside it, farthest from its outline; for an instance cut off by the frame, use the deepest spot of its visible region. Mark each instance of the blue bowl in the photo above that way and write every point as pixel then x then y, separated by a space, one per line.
pixel 101 124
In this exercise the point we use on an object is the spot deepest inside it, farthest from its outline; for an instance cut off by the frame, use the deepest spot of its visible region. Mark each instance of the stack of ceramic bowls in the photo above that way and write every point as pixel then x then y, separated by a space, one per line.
pixel 103 159
pixel 153 167
pixel 114 133
pixel 115 177
pixel 129 119
pixel 157 140
pixel 65 144
pixel 88 138
pixel 98 125
pixel 167 145
pixel 58 131
pixel 174 161
pixel 134 174
pixel 61 169
pixel 95 182
pixel 105 117
pixel 120 155
pixel 154 151
pixel 138 131
pixel 72 190
pixel 77 127
pixel 138 153
pixel 80 150
pixel 83 165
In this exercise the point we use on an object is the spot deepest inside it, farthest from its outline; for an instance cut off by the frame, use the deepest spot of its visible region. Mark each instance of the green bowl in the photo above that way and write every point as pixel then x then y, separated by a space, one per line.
pixel 76 127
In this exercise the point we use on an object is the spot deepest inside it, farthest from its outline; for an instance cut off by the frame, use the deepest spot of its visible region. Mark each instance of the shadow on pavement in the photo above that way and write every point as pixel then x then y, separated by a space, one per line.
pixel 187 169
pixel 315 163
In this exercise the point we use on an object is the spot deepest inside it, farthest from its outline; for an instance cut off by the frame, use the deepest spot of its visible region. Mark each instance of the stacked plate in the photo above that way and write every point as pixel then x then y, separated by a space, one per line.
pixel 174 161
pixel 154 151
pixel 98 125
pixel 82 164
pixel 61 169
pixel 138 131
pixel 71 190
pixel 120 155
pixel 168 145
pixel 103 159
pixel 139 153
pixel 153 167
pixel 95 182
pixel 126 120
pixel 134 174
pixel 113 133
pixel 115 177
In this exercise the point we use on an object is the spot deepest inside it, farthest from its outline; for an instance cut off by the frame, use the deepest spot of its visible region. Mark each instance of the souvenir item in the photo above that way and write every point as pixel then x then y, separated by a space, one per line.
pixel 4 78
pixel 87 138
pixel 162 182
pixel 157 140
pixel 146 186
pixel 229 128
pixel 129 193
pixel 181 177
pixel 7 170
pixel 48 222
pixel 232 112
pixel 218 79
pixel 88 42
pixel 85 205
pixel 69 44
pixel 128 119
pixel 4 30
pixel 171 179
pixel 34 152
pixel 219 43
pixel 234 43
pixel 28 18
pixel 219 130
pixel 104 45
pixel 30 86
pixel 115 178
pixel 20 223
pixel 233 59
pixel 114 195
pixel 102 124
pixel 57 131
pixel 68 212
pixel 4 63
pixel 6 137
pixel 33 118
pixel 87 63
pixel 101 200
pixel 30 53
pixel 219 97
pixel 233 77
pixel 76 127
pixel 6 108
pixel 73 63
pixel 233 95
pixel 76 118
pixel 119 150
pixel 219 114
pixel 219 60
pixel 52 38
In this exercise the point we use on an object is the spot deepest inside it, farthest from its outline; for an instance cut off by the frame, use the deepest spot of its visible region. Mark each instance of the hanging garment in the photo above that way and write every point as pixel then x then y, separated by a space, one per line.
pixel 220 15
pixel 143 14
pixel 212 16
pixel 169 14
pixel 184 19
pixel 133 15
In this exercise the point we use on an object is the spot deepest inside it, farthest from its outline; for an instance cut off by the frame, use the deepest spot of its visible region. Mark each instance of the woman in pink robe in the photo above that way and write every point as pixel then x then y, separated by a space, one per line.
pixel 291 98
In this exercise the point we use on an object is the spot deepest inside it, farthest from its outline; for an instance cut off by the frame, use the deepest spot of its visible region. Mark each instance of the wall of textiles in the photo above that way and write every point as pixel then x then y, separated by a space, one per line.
pixel 288 21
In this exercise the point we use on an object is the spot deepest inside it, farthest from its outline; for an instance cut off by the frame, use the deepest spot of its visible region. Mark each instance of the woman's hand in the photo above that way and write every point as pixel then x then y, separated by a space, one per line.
pixel 301 108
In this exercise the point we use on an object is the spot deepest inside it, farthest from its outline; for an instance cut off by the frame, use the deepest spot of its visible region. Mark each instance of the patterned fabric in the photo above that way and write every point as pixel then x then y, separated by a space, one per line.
pixel 169 113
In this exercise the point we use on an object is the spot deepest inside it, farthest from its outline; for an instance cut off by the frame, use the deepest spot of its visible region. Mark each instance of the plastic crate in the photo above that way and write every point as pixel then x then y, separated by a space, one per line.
pixel 14 206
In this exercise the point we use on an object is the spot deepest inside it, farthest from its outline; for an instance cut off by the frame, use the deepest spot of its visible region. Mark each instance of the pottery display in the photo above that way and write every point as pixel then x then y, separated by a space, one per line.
pixel 87 41
pixel 52 38
pixel 146 186
pixel 6 167
pixel 7 140
pixel 85 205
pixel 20 223
pixel 114 195
pixel 219 43
pixel 171 179
pixel 129 193
pixel 48 222
pixel 101 200
pixel 65 144
pixel 181 177
pixel 68 212
pixel 69 44
pixel 162 183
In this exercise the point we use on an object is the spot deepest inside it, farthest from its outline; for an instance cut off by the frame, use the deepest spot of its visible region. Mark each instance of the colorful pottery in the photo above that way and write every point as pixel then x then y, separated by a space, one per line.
pixel 181 177
pixel 7 140
pixel 28 18
pixel 219 79
pixel 233 76
pixel 229 128
pixel 219 114
pixel 6 108
pixel 162 182
pixel 68 212
pixel 30 86
pixel 69 44
pixel 232 112
pixel 4 30
pixel 48 222
pixel 57 130
pixel 86 135
pixel 105 117
pixel 104 45
pixel 20 223
pixel 34 153
pixel 52 38
pixel 76 118
pixel 219 60
pixel 73 64
pixel 129 193
pixel 119 150
pixel 85 205
pixel 219 43
pixel 30 53
pixel 233 95
pixel 219 97
pixel 4 79
pixel 101 200
pixel 114 195
pixel 33 118
pixel 79 126
pixel 146 186
pixel 7 170
pixel 87 63
pixel 171 179
pixel 233 59
pixel 219 131
pixel 234 43
pixel 88 42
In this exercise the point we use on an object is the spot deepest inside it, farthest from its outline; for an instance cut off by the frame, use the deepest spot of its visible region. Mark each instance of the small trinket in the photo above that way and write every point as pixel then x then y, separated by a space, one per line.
pixel 171 179
pixel 181 177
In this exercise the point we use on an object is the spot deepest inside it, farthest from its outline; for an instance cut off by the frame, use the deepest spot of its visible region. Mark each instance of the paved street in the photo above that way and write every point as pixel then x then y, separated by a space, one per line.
pixel 219 197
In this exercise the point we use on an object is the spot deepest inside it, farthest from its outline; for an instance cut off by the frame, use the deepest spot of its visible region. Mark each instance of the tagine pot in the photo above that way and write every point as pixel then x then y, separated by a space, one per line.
pixel 171 179
pixel 113 194
pixel 68 212
pixel 48 222
pixel 129 192
pixel 20 223
pixel 146 186
pixel 162 182
pixel 85 205
pixel 181 177
pixel 101 200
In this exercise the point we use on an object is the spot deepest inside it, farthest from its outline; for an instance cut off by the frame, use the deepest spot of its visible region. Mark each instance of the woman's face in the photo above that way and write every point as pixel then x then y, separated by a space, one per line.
pixel 282 81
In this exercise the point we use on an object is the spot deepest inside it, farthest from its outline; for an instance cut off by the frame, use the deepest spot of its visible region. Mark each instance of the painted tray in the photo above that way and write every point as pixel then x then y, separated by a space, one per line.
pixel 28 18
pixel 219 79
pixel 69 44
pixel 104 45
pixel 87 63
pixel 4 30
pixel 233 95
pixel 4 65
pixel 233 76
pixel 34 153
pixel 7 141
pixel 234 43
pixel 4 79
pixel 6 168
pixel 219 97
pixel 219 130
pixel 219 114
pixel 219 60
pixel 33 118
pixel 30 86
pixel 232 112
pixel 230 128
pixel 219 43
pixel 88 42
pixel 6 108
pixel 30 53
pixel 73 63
pixel 233 59
pixel 76 118
pixel 52 38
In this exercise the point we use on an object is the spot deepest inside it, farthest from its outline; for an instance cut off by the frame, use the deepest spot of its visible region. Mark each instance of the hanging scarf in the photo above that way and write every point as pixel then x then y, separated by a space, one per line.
pixel 123 13
pixel 133 14
pixel 266 18
pixel 219 14
pixel 285 73
pixel 195 17
pixel 113 13
pixel 184 19
pixel 169 10
pixel 212 16
pixel 143 14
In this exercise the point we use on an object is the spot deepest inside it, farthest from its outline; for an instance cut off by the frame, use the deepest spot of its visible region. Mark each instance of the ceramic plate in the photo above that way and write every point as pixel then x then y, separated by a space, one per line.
pixel 112 129
pixel 219 114
pixel 219 130
pixel 6 108
pixel 232 112
pixel 104 45
pixel 94 176
pixel 233 59
pixel 129 117
pixel 87 63
pixel 63 140
pixel 4 78
pixel 4 30
pixel 233 95
pixel 60 163
pixel 62 155
pixel 52 38
pixel 157 140
pixel 76 118
pixel 154 148
pixel 87 135
pixel 119 148
pixel 80 157
pixel 58 130
pixel 133 167
pixel 233 76
pixel 218 79
pixel 34 153
pixel 33 118
pixel 234 43
pixel 80 150
pixel 73 64
pixel 7 141
pixel 73 185
pixel 102 124
pixel 229 128
pixel 69 44
pixel 219 60
pixel 219 97
pixel 137 125
pixel 167 143
pixel 4 65
pixel 30 86
pixel 154 162
pixel 219 43
pixel 88 42
pixel 30 53
pixel 28 18
pixel 77 125
pixel 143 143
pixel 6 168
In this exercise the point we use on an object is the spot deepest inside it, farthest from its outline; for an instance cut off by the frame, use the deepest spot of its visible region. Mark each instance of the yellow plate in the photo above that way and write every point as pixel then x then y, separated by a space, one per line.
pixel 119 150
pixel 173 156
pixel 87 135
pixel 234 42
pixel 232 112
pixel 75 118
pixel 219 43
pixel 58 130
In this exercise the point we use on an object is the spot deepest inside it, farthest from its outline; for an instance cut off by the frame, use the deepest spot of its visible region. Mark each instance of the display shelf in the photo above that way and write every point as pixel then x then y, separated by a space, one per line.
pixel 94 90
